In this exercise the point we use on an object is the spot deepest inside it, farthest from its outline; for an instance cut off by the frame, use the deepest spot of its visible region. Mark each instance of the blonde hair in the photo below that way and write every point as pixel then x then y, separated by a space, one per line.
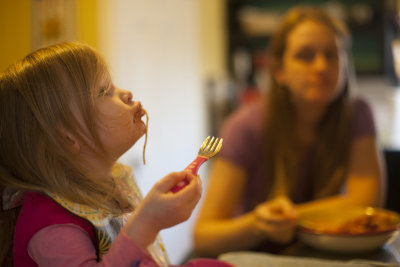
pixel 330 163
pixel 36 98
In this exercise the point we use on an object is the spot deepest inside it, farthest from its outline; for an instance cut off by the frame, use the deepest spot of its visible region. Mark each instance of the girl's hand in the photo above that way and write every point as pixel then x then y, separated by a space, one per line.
pixel 162 208
pixel 276 219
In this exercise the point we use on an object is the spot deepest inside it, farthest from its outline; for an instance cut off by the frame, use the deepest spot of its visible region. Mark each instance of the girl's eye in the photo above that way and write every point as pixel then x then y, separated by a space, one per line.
pixel 105 91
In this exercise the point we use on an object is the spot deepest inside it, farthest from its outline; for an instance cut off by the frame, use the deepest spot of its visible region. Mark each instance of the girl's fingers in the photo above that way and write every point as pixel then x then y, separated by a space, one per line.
pixel 173 178
pixel 194 188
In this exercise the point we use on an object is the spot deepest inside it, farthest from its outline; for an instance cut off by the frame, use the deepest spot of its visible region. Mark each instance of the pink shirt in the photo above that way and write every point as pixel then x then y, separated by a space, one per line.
pixel 77 249
pixel 48 235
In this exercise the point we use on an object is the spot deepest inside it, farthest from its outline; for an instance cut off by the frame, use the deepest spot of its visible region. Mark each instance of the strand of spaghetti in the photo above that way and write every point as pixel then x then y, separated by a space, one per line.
pixel 145 140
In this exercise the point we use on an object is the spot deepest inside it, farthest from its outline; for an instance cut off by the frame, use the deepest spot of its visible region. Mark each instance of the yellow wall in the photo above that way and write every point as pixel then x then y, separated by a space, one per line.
pixel 213 38
pixel 14 31
pixel 87 21
pixel 16 42
pixel 15 28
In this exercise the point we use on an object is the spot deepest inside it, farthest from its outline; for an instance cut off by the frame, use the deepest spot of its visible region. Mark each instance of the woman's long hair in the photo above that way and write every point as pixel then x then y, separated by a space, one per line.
pixel 50 91
pixel 330 163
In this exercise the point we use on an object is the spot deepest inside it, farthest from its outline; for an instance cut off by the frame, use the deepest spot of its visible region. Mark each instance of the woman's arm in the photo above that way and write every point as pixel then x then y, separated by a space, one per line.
pixel 217 231
pixel 365 184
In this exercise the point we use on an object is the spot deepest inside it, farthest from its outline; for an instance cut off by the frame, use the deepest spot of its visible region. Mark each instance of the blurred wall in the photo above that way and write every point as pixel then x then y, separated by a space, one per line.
pixel 87 15
pixel 14 31
pixel 213 39
pixel 15 27
pixel 164 51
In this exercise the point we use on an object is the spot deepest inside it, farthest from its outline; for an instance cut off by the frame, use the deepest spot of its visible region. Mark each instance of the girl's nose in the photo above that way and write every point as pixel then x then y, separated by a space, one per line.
pixel 126 96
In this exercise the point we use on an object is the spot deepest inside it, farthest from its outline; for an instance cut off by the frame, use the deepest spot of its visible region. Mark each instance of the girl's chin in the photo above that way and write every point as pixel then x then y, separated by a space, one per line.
pixel 142 127
pixel 136 138
pixel 139 124
pixel 141 131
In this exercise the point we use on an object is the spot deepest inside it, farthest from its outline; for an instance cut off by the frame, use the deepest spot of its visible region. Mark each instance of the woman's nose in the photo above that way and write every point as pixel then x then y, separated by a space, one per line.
pixel 320 62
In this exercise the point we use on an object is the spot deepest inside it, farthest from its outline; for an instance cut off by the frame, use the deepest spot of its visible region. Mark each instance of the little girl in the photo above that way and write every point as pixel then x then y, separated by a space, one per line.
pixel 65 199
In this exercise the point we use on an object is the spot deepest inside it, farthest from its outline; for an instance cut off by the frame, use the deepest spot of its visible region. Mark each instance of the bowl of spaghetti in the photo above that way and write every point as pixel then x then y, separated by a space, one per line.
pixel 348 229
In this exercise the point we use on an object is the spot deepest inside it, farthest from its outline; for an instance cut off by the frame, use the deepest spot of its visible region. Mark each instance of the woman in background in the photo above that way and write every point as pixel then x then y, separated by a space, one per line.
pixel 309 144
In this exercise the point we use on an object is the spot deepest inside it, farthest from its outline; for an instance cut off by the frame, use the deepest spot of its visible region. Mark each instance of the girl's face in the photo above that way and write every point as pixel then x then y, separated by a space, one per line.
pixel 312 64
pixel 120 124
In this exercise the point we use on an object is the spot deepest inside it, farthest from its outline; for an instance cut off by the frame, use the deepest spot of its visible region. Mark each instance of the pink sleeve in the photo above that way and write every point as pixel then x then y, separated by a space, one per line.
pixel 70 245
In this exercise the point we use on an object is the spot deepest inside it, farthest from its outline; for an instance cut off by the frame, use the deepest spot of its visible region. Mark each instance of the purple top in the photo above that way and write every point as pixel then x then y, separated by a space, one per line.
pixel 243 133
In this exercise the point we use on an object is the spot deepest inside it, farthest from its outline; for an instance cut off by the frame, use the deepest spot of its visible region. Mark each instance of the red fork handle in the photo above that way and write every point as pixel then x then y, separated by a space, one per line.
pixel 193 167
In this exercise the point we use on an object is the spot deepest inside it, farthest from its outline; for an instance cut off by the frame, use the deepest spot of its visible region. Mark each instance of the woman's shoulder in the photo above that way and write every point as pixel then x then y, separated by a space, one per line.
pixel 242 133
pixel 363 122
pixel 361 104
pixel 247 114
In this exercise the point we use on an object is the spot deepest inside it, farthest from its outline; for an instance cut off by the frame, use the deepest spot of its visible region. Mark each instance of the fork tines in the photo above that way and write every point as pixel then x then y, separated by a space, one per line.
pixel 210 147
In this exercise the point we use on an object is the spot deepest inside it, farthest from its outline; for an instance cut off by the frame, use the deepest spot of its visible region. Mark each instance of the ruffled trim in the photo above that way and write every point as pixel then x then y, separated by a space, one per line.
pixel 97 216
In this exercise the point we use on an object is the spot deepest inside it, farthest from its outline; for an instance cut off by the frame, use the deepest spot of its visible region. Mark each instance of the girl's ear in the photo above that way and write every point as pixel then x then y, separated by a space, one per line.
pixel 71 141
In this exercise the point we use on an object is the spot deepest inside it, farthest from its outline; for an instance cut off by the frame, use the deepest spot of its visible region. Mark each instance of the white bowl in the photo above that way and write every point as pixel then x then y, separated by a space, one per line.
pixel 348 230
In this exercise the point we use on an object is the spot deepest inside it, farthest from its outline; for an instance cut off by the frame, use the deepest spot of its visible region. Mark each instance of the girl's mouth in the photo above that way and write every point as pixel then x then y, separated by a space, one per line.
pixel 140 111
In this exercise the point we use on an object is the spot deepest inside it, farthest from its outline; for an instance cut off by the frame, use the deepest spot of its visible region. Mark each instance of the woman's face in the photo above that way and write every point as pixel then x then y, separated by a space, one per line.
pixel 312 65
pixel 119 121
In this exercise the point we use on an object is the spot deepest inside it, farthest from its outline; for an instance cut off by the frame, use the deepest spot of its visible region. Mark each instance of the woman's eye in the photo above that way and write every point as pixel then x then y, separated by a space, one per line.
pixel 331 55
pixel 305 56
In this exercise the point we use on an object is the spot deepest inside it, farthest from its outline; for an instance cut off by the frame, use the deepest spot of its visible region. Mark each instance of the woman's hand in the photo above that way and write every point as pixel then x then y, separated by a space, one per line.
pixel 276 219
pixel 162 208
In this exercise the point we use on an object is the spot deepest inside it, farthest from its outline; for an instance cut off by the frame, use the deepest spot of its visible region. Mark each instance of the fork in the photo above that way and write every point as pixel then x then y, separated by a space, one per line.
pixel 208 149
